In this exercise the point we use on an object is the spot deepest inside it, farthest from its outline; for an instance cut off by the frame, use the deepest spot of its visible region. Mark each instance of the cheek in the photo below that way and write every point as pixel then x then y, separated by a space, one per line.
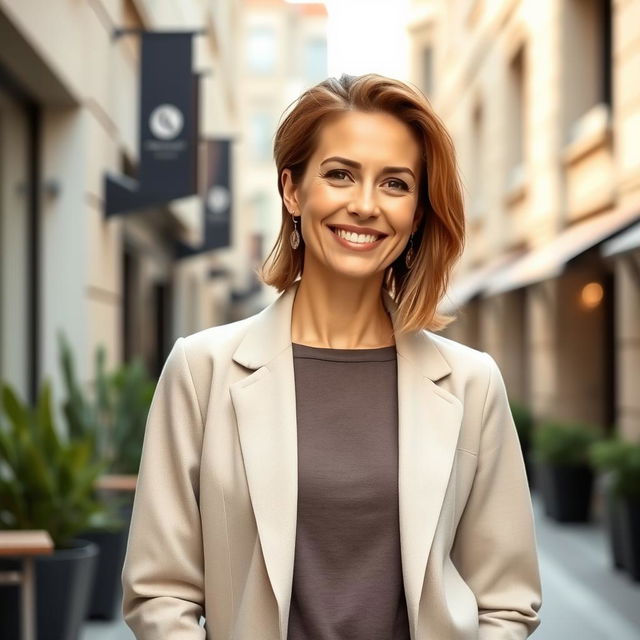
pixel 321 197
pixel 403 217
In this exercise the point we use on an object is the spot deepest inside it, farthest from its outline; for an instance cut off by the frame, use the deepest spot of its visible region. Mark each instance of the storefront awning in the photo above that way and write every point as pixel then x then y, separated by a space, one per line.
pixel 549 260
pixel 471 283
pixel 622 243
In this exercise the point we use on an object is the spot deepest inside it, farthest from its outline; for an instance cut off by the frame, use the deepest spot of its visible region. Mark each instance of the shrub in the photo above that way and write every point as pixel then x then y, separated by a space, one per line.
pixel 564 443
pixel 622 460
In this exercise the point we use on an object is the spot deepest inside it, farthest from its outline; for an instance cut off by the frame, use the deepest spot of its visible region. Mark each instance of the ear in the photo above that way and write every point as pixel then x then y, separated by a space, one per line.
pixel 417 218
pixel 289 191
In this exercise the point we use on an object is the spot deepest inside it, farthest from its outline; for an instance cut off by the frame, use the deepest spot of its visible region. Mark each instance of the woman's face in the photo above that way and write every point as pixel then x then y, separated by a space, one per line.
pixel 363 177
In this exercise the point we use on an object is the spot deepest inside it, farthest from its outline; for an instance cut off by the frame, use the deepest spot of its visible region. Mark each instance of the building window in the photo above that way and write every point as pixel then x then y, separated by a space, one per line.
pixel 515 130
pixel 261 50
pixel 426 63
pixel 260 133
pixel 315 60
pixel 587 60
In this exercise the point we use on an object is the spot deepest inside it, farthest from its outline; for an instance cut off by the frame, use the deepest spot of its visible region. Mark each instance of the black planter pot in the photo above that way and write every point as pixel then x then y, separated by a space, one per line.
pixel 106 594
pixel 63 587
pixel 125 511
pixel 566 491
pixel 612 520
pixel 630 535
pixel 526 455
pixel 106 590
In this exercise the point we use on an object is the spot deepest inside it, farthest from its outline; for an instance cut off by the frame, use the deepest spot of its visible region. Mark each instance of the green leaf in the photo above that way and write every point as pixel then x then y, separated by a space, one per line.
pixel 565 443
pixel 44 420
pixel 16 411
pixel 8 451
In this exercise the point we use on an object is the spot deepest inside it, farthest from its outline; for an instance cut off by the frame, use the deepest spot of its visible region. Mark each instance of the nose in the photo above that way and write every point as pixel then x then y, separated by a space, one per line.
pixel 364 202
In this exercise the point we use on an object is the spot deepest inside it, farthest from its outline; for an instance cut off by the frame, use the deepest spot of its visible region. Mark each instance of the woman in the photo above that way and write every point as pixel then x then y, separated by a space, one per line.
pixel 330 467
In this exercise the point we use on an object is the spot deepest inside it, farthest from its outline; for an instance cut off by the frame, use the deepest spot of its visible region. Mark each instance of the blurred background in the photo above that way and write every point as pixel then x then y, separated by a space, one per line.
pixel 138 194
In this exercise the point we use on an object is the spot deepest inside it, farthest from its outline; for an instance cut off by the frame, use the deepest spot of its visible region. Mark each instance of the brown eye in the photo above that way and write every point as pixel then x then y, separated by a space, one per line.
pixel 401 185
pixel 336 173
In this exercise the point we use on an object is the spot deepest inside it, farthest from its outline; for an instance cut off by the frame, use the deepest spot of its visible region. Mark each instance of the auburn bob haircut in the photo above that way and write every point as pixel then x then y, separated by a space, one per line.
pixel 438 241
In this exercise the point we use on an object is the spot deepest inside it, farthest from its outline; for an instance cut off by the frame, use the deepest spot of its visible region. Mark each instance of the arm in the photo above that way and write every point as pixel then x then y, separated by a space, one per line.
pixel 495 545
pixel 163 574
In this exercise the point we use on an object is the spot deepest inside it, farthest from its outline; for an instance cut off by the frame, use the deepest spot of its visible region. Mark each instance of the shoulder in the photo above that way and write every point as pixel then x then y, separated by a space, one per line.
pixel 212 344
pixel 194 357
pixel 463 359
pixel 229 334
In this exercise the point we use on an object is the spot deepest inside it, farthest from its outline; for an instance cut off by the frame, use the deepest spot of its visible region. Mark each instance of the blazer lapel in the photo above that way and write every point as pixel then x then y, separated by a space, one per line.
pixel 429 419
pixel 265 408
pixel 264 402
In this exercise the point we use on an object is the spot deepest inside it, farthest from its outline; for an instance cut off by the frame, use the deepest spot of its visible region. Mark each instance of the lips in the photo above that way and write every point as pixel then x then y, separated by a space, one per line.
pixel 356 246
pixel 359 230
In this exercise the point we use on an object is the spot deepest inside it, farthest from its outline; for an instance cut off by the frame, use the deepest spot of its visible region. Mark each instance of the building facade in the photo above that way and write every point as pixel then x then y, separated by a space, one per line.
pixel 543 104
pixel 284 53
pixel 68 114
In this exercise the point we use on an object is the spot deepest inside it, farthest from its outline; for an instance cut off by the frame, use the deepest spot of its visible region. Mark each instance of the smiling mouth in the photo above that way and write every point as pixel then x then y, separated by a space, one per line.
pixel 356 238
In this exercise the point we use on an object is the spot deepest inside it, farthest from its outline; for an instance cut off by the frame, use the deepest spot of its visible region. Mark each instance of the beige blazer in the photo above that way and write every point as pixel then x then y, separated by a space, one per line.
pixel 214 519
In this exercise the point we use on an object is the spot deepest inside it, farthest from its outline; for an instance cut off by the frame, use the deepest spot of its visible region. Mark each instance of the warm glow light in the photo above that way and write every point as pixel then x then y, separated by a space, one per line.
pixel 591 295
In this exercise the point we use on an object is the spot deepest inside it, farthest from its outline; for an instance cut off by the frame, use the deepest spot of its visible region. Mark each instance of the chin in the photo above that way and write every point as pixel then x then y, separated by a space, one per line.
pixel 356 273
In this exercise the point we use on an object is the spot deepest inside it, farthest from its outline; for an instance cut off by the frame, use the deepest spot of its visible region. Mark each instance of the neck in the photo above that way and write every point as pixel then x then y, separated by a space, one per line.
pixel 340 314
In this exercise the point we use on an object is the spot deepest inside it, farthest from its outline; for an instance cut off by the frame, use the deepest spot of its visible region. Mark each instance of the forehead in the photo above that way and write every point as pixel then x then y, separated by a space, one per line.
pixel 368 137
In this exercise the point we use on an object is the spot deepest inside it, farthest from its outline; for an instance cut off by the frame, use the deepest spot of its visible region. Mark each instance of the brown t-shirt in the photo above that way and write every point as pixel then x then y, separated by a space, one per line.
pixel 347 577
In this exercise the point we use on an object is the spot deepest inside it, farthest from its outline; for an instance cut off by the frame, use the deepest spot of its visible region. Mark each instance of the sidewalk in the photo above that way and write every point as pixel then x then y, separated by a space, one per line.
pixel 583 598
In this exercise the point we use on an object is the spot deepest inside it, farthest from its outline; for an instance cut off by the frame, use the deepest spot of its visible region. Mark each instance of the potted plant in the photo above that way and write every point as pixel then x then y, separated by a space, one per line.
pixel 563 472
pixel 127 395
pixel 47 482
pixel 112 417
pixel 625 467
pixel 607 456
pixel 523 419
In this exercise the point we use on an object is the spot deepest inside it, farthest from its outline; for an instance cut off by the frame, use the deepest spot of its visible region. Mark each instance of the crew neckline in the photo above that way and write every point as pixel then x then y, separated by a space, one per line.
pixel 372 354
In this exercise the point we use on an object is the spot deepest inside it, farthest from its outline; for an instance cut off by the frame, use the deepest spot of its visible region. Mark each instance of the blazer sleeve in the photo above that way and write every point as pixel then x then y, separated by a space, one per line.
pixel 163 573
pixel 494 548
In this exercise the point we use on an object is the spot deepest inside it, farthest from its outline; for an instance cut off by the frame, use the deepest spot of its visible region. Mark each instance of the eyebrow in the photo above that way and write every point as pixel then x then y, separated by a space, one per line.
pixel 357 165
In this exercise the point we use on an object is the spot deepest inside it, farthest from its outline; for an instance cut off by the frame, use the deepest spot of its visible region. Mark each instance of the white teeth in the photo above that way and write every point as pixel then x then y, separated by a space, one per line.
pixel 359 238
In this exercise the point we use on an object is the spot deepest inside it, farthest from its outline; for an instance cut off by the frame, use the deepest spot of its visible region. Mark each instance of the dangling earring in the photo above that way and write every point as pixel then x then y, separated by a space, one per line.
pixel 410 255
pixel 294 238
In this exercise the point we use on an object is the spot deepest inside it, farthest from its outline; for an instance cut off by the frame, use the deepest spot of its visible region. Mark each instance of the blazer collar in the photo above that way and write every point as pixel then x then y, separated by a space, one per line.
pixel 270 333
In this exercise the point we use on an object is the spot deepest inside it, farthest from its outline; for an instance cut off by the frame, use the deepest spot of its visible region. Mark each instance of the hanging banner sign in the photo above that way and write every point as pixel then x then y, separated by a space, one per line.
pixel 216 199
pixel 168 127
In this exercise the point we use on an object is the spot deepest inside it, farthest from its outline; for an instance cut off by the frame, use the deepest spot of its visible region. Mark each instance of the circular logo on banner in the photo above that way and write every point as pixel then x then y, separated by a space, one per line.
pixel 218 199
pixel 166 122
